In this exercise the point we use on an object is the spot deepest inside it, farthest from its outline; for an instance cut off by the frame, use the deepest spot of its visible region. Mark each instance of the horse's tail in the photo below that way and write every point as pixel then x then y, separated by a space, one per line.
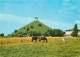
pixel 46 40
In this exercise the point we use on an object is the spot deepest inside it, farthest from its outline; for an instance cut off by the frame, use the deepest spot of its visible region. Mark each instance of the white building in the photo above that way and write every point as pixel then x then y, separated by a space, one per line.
pixel 69 32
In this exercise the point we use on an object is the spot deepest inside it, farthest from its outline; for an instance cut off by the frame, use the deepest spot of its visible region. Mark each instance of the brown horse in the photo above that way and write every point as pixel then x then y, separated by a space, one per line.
pixel 39 38
pixel 42 38
pixel 34 38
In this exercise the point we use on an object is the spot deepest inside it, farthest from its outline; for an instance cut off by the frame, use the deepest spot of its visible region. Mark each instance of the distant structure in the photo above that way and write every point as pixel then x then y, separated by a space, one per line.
pixel 69 32
pixel 64 40
pixel 36 19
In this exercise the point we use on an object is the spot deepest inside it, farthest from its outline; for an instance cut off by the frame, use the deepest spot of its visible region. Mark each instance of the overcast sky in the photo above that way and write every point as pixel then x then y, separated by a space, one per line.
pixel 57 14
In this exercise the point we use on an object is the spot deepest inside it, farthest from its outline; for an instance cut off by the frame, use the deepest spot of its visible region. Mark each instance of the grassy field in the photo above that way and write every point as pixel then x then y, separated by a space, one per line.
pixel 23 47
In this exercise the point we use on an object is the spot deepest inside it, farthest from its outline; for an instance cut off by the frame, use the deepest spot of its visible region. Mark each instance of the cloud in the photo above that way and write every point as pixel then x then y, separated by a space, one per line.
pixel 8 23
pixel 16 22
pixel 56 24
pixel 67 0
pixel 8 4
pixel 76 0
pixel 64 3
pixel 78 22
pixel 26 20
pixel 71 10
pixel 12 18
pixel 78 10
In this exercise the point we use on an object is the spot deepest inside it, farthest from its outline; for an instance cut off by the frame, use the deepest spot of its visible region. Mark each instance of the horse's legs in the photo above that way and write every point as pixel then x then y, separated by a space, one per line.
pixel 36 41
pixel 46 40
pixel 32 40
pixel 39 40
pixel 43 41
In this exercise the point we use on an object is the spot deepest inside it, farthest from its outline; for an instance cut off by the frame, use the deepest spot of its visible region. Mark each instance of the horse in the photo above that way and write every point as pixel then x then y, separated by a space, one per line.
pixel 34 38
pixel 42 38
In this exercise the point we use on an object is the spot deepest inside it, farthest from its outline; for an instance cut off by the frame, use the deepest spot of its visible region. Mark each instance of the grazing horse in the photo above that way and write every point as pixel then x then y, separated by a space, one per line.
pixel 42 38
pixel 34 38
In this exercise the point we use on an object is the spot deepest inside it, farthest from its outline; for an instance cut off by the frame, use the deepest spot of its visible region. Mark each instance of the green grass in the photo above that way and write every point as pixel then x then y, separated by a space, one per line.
pixel 36 28
pixel 54 48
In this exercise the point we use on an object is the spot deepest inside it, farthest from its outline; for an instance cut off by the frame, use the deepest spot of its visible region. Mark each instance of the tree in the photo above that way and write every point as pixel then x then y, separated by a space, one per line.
pixel 55 32
pixel 20 32
pixel 39 25
pixel 31 33
pixel 58 32
pixel 27 28
pixel 15 31
pixel 31 27
pixel 38 33
pixel 35 33
pixel 75 31
pixel 45 34
pixel 12 35
pixel 24 27
pixel 25 33
pixel 2 34
pixel 20 35
pixel 15 35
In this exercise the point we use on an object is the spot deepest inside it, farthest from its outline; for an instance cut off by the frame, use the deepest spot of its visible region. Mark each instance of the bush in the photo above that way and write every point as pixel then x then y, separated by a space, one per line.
pixel 2 34
pixel 31 33
pixel 39 25
pixel 20 35
pixel 27 28
pixel 25 33
pixel 58 32
pixel 12 35
pixel 34 33
pixel 15 35
pixel 31 27
pixel 55 32
pixel 15 31
pixel 50 33
pixel 45 34
pixel 20 32
pixel 24 27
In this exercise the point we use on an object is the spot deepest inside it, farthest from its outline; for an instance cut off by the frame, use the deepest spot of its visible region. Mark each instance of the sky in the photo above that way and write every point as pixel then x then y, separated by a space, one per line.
pixel 57 14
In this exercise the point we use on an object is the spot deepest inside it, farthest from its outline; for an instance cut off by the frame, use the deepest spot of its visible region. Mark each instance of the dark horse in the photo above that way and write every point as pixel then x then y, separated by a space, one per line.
pixel 39 38
pixel 42 38
pixel 34 38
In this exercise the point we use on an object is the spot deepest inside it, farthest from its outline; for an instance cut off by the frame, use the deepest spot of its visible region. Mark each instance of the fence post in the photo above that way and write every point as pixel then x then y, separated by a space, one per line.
pixel 21 40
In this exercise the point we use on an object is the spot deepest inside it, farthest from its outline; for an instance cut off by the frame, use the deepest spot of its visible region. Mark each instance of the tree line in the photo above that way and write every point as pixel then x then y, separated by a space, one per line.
pixel 51 32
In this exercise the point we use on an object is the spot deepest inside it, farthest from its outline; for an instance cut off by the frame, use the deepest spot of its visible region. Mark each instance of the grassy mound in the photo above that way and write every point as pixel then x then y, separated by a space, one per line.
pixel 33 26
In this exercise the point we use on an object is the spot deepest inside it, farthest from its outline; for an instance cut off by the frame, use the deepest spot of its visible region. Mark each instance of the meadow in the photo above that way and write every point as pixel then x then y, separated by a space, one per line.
pixel 23 47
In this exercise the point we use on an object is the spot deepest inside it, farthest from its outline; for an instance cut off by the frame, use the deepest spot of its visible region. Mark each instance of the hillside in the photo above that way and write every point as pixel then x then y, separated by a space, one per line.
pixel 36 26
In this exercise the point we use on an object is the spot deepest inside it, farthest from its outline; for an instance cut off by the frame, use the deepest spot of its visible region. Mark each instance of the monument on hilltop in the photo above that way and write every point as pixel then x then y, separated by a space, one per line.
pixel 36 19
